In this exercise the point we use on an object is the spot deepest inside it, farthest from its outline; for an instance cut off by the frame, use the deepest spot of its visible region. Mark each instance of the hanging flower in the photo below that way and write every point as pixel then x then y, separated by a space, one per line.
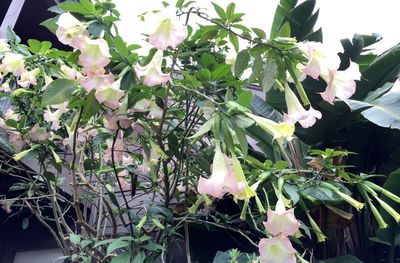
pixel 276 250
pixel 341 84
pixel 167 30
pixel 222 180
pixel 14 63
pixel 152 73
pixel 96 80
pixel 38 133
pixel 4 46
pixel 296 112
pixel 110 95
pixel 279 131
pixel 70 73
pixel 16 140
pixel 281 221
pixel 54 117
pixel 28 78
pixel 321 58
pixel 94 54
pixel 71 31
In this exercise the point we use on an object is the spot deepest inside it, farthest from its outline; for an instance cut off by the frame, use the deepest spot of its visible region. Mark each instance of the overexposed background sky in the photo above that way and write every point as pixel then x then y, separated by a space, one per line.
pixel 338 18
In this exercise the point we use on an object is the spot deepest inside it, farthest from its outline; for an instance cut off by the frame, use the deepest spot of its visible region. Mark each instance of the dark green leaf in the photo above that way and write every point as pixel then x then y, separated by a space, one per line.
pixel 241 62
pixel 220 11
pixel 269 75
pixel 91 107
pixel 58 91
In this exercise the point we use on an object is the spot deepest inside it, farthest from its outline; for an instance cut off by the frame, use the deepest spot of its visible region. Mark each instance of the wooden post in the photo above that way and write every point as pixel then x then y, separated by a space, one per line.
pixel 11 16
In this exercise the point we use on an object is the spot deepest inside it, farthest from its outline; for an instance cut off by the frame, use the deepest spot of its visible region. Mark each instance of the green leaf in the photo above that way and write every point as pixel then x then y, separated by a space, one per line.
pixel 118 243
pixel 58 91
pixel 383 107
pixel 206 127
pixel 91 106
pixel 283 9
pixel 241 62
pixel 127 80
pixel 50 24
pixel 120 45
pixel 241 136
pixel 95 28
pixel 269 75
pixel 203 74
pixel 245 98
pixel 122 258
pixel 140 257
pixel 25 223
pixel 230 10
pixel 220 11
pixel 34 45
pixel 259 32
pixel 75 7
pixel 234 40
pixel 91 164
pixel 221 71
pixel 75 239
pixel 256 69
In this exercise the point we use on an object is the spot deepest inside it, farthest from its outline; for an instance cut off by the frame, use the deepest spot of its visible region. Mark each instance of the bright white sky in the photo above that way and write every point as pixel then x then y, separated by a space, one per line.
pixel 338 18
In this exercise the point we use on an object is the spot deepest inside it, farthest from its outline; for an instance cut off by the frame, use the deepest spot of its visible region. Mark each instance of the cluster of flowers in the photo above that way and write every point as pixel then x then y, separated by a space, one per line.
pixel 322 62
pixel 281 223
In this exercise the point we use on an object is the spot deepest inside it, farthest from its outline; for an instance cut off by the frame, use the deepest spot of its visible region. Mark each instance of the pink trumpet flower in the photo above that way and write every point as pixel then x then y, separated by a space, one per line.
pixel 223 179
pixel 281 221
pixel 341 84
pixel 276 250
pixel 296 112
pixel 152 73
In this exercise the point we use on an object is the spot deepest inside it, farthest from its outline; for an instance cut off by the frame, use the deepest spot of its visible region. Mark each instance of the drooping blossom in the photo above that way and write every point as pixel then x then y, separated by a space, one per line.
pixel 5 87
pixel 296 112
pixel 70 73
pixel 96 79
pixel 279 131
pixel 276 250
pixel 223 179
pixel 28 78
pixel 152 73
pixel 166 29
pixel 321 58
pixel 71 31
pixel 53 117
pixel 281 221
pixel 112 121
pixel 38 133
pixel 16 140
pixel 3 45
pixel 94 53
pixel 13 63
pixel 110 95
pixel 341 84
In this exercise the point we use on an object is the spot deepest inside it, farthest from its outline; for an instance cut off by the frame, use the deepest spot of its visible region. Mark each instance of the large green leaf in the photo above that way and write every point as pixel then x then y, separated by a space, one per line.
pixel 383 106
pixel 383 69
pixel 58 91
pixel 283 9
pixel 302 20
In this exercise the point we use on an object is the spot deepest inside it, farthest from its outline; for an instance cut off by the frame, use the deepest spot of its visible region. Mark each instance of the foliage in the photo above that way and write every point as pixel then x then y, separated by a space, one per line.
pixel 135 153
